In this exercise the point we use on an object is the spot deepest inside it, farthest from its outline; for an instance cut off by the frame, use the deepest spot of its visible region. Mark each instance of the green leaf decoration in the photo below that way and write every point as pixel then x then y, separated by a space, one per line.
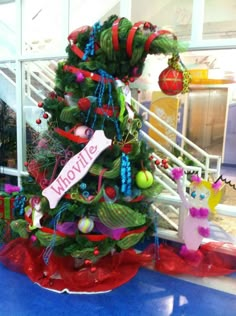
pixel 46 238
pixel 67 114
pixel 130 240
pixel 153 191
pixel 110 174
pixel 20 226
pixel 86 253
pixel 114 215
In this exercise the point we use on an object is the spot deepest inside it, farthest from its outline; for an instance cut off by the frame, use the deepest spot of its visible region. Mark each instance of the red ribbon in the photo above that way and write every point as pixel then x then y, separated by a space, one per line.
pixel 77 51
pixel 70 136
pixel 115 34
pixel 86 73
pixel 130 39
pixel 155 35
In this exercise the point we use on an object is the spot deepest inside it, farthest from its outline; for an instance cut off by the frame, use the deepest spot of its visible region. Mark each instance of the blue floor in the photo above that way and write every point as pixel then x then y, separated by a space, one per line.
pixel 149 293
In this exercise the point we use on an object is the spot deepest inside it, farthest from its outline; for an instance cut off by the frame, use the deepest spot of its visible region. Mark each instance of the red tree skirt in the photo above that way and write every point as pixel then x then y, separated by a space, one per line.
pixel 114 270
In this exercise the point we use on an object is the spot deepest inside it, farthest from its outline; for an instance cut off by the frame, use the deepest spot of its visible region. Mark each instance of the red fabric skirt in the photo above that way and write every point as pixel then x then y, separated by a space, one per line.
pixel 115 269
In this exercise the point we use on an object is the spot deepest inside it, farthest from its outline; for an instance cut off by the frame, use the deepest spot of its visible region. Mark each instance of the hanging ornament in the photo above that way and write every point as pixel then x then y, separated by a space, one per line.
pixel 84 104
pixel 110 192
pixel 80 77
pixel 174 79
pixel 85 225
pixel 144 179
pixel 52 95
pixel 96 251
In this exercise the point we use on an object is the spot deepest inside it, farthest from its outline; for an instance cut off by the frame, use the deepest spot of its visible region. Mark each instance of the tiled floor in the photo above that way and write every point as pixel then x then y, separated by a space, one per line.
pixel 149 293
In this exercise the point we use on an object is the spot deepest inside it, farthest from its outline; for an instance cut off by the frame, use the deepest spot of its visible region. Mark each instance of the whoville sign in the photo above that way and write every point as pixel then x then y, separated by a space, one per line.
pixel 76 168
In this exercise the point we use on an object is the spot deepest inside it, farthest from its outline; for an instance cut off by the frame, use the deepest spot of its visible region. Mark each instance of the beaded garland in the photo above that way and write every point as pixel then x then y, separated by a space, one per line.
pixel 89 48
pixel 106 81
pixel 125 175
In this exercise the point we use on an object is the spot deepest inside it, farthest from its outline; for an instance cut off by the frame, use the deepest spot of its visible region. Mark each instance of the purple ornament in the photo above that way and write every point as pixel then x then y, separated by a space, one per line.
pixel 79 77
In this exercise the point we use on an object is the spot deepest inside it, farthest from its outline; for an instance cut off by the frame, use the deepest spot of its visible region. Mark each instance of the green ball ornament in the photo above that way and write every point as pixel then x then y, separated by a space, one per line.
pixel 144 179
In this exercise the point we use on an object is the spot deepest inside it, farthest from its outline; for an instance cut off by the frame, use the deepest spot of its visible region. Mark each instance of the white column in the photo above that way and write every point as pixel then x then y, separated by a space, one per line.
pixel 20 127
pixel 197 20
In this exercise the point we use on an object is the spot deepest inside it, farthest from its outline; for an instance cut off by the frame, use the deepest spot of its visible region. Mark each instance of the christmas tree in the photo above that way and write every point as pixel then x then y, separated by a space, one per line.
pixel 91 183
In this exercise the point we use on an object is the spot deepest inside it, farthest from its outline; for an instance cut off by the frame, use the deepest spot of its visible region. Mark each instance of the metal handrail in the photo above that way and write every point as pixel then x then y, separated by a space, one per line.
pixel 205 167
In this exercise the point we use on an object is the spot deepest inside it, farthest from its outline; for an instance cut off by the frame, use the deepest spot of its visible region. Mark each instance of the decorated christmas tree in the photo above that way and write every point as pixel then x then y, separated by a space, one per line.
pixel 91 183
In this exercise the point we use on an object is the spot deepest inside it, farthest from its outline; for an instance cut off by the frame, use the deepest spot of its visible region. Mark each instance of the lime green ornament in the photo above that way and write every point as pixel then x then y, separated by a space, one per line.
pixel 144 179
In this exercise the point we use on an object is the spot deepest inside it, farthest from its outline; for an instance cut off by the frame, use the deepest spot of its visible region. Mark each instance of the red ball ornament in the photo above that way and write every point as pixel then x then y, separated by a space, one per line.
pixel 96 252
pixel 110 192
pixel 157 162
pixel 40 104
pixel 171 81
pixel 84 104
pixel 52 95
pixel 87 262
pixel 93 269
pixel 38 121
pixel 45 115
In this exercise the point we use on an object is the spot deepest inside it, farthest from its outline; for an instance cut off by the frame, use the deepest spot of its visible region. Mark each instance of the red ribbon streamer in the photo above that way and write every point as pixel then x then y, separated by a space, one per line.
pixel 130 39
pixel 72 137
pixel 115 34
pixel 155 35
pixel 86 73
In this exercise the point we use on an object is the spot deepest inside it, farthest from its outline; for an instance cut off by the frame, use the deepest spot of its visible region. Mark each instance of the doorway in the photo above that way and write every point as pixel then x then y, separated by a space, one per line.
pixel 206 118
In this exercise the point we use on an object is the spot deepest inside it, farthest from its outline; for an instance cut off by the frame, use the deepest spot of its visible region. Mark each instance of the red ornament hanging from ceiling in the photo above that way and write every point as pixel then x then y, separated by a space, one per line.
pixel 175 78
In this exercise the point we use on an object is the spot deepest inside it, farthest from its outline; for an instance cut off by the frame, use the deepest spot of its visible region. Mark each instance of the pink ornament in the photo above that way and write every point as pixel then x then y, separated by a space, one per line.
pixel 79 77
pixel 84 132
pixel 33 238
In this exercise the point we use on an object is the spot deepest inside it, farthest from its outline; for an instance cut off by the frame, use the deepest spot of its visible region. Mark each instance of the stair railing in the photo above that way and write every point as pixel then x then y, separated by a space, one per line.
pixel 207 159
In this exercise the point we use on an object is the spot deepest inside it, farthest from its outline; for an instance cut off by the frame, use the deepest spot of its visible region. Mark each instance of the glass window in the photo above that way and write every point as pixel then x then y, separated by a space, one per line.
pixel 39 81
pixel 171 14
pixel 219 19
pixel 91 11
pixel 8 157
pixel 43 26
pixel 7 30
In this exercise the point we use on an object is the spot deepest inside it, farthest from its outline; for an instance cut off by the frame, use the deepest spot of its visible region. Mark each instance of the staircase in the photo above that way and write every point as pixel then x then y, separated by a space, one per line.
pixel 39 80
